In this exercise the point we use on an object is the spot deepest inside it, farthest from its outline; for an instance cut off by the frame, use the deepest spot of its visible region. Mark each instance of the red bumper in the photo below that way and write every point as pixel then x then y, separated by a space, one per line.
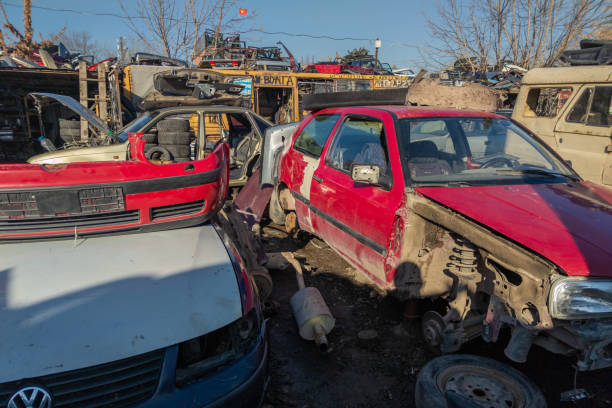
pixel 104 197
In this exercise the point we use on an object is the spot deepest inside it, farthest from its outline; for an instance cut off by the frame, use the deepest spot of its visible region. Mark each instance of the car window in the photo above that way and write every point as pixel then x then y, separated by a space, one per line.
pixel 313 137
pixel 580 109
pixel 359 140
pixel 261 124
pixel 546 102
pixel 434 131
pixel 600 113
pixel 478 150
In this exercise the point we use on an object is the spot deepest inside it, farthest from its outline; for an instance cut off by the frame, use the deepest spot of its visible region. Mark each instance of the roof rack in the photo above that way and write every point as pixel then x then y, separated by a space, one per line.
pixel 316 102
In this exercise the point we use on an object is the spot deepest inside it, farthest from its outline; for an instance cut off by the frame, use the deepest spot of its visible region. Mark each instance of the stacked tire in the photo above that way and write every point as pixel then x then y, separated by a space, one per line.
pixel 174 136
pixel 70 130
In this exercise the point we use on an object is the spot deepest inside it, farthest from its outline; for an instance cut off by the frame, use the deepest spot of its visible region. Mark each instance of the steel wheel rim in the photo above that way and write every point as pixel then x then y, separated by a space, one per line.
pixel 490 388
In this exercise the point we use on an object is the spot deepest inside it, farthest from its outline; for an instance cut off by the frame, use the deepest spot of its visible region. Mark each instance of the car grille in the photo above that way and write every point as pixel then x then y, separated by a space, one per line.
pixel 22 226
pixel 40 204
pixel 176 210
pixel 113 385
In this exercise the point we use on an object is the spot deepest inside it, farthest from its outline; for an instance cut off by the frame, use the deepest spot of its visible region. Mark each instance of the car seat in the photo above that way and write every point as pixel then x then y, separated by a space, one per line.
pixel 423 160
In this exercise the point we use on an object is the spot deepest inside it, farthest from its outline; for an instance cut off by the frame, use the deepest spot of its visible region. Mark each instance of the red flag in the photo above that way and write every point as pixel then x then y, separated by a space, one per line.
pixel 242 12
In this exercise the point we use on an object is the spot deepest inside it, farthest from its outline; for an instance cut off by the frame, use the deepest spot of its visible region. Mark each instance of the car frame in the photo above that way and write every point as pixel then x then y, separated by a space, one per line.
pixel 447 247
pixel 114 147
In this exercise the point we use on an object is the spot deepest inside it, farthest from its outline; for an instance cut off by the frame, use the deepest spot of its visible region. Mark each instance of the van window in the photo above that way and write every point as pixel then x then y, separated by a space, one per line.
pixel 546 102
pixel 600 113
pixel 580 109
pixel 313 137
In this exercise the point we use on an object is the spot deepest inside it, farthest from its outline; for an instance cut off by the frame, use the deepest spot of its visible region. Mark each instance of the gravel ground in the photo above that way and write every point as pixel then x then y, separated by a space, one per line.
pixel 380 372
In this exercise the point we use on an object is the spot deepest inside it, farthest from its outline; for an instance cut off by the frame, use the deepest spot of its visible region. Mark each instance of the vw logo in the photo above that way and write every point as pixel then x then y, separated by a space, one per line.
pixel 30 397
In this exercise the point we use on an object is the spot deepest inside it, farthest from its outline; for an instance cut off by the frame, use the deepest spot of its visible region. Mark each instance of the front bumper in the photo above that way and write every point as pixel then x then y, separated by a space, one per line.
pixel 242 384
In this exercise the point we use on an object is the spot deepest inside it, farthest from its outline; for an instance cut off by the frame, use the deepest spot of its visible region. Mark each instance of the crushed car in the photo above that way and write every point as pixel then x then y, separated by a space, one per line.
pixel 157 319
pixel 468 213
pixel 173 134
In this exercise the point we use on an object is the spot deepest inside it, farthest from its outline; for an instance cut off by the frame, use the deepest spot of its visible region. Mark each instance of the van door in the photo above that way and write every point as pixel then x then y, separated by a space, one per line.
pixel 583 133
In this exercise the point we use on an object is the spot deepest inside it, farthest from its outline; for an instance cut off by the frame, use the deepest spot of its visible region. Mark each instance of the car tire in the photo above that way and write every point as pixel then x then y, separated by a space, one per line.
pixel 150 138
pixel 70 124
pixel 173 125
pixel 466 380
pixel 177 151
pixel 149 146
pixel 174 138
pixel 158 153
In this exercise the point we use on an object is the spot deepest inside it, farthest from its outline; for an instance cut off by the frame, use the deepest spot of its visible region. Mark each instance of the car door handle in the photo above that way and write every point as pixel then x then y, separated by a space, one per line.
pixel 317 178
pixel 189 167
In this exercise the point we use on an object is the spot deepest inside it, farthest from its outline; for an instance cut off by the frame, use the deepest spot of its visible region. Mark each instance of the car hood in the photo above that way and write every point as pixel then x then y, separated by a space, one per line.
pixel 70 304
pixel 77 108
pixel 569 224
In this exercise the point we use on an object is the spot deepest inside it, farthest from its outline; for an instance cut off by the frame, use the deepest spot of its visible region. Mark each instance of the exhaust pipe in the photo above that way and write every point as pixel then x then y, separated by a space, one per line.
pixel 312 315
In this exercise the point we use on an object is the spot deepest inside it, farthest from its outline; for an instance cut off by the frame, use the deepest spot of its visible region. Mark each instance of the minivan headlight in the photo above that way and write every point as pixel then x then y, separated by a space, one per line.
pixel 580 298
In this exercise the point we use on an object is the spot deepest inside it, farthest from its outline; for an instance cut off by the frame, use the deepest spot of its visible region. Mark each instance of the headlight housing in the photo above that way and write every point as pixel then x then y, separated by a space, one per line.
pixel 204 355
pixel 580 298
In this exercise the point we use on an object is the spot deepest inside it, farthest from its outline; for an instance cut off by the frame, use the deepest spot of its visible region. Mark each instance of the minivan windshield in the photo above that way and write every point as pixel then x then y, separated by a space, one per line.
pixel 475 151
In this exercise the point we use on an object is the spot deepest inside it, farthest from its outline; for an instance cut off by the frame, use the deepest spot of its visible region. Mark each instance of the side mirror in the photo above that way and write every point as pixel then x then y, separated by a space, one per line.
pixel 365 173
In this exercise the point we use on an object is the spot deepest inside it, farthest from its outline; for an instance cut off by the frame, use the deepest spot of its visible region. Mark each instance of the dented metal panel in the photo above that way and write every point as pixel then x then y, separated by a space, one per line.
pixel 71 304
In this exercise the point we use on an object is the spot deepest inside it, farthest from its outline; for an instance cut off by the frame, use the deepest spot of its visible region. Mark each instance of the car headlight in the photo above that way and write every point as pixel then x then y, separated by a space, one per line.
pixel 580 298
pixel 204 355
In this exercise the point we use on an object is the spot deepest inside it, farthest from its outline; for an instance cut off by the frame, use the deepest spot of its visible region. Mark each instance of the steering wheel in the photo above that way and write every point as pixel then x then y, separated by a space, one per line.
pixel 499 161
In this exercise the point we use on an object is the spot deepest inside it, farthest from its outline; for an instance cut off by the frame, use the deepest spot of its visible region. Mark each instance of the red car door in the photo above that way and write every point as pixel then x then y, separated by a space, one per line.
pixel 354 218
pixel 300 162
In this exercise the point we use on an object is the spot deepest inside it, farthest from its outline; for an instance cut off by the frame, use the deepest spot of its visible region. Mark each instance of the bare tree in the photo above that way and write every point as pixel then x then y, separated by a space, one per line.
pixel 529 33
pixel 80 41
pixel 173 30
pixel 23 41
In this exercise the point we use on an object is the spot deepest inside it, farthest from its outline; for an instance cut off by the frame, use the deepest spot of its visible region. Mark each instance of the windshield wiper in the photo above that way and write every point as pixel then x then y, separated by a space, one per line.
pixel 443 184
pixel 538 172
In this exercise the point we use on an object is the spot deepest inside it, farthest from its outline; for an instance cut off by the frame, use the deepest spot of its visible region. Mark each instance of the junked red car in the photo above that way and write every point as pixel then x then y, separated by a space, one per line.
pixel 468 212
pixel 79 199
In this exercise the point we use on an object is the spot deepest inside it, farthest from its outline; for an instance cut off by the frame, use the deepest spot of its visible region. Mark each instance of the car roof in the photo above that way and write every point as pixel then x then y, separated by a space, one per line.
pixel 403 111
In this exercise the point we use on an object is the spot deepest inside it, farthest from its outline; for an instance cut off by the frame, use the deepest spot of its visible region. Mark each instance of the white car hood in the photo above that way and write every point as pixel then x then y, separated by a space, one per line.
pixel 71 304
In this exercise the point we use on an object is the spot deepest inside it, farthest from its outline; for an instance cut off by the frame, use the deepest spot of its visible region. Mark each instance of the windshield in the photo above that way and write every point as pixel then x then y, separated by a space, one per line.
pixel 475 150
pixel 133 126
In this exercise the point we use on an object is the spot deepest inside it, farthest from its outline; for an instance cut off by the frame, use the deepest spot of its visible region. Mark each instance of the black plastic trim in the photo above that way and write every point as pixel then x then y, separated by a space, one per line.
pixel 342 227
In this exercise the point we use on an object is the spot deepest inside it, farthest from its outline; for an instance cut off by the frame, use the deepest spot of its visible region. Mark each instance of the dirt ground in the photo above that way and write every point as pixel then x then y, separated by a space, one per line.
pixel 380 372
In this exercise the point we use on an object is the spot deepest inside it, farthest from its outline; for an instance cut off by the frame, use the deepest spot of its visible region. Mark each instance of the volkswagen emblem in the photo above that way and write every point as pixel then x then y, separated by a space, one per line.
pixel 30 397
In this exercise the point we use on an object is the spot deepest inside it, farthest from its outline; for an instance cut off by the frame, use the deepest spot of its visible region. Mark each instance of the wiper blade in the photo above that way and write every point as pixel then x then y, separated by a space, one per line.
pixel 537 172
pixel 444 184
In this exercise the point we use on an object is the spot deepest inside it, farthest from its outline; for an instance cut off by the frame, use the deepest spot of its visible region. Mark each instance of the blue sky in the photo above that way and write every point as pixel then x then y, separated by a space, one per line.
pixel 400 24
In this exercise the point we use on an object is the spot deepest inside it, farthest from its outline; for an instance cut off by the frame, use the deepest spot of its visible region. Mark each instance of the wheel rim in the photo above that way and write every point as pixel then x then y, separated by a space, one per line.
pixel 490 388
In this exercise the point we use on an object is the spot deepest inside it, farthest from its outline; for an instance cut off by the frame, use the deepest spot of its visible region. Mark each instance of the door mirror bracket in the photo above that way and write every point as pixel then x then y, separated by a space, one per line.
pixel 366 173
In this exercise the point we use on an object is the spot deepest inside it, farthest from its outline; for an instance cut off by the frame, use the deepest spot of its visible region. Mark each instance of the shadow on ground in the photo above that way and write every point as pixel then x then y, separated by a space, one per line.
pixel 382 372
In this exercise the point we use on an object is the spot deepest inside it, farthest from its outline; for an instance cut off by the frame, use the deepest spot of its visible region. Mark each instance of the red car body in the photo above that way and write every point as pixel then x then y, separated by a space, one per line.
pixel 503 245
pixel 49 201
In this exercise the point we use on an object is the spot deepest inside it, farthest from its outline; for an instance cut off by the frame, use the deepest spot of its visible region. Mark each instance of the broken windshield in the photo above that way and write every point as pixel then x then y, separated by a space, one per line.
pixel 475 150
